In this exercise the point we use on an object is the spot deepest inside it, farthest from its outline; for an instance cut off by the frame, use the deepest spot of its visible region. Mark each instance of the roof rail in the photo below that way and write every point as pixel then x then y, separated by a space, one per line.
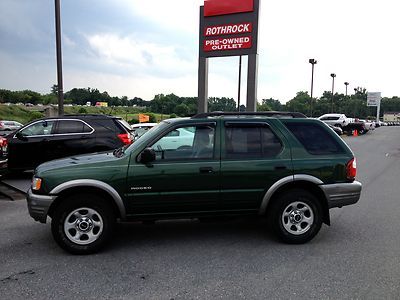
pixel 88 115
pixel 274 114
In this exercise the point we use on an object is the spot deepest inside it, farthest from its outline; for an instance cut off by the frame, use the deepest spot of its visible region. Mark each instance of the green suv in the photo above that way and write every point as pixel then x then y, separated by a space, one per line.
pixel 290 169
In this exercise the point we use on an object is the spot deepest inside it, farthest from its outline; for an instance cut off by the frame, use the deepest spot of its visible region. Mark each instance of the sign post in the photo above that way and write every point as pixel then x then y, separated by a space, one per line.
pixel 374 99
pixel 228 28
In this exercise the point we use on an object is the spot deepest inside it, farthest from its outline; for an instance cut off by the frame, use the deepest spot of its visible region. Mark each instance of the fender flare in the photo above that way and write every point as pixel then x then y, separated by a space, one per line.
pixel 93 183
pixel 281 182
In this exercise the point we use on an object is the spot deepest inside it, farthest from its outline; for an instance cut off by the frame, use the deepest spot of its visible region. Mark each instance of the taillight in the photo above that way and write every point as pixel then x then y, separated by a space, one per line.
pixel 125 138
pixel 3 142
pixel 351 169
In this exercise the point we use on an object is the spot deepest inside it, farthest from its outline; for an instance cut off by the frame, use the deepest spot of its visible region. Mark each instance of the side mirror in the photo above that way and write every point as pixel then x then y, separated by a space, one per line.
pixel 20 136
pixel 148 155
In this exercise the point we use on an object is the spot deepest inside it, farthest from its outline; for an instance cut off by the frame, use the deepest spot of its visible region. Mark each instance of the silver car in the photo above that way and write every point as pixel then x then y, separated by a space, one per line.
pixel 9 125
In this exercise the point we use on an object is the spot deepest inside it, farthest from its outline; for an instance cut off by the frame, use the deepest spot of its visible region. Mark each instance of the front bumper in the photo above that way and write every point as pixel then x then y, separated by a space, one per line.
pixel 342 194
pixel 38 205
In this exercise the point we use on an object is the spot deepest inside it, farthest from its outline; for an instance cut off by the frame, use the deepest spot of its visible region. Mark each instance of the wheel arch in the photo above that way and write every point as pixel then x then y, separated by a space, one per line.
pixel 88 186
pixel 299 181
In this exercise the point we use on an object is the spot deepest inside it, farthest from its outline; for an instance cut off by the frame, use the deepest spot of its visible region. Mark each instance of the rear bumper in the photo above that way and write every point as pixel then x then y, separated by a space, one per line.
pixel 38 205
pixel 342 194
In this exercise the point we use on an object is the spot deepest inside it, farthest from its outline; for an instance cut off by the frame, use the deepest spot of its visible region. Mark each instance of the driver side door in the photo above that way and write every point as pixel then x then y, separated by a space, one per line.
pixel 180 180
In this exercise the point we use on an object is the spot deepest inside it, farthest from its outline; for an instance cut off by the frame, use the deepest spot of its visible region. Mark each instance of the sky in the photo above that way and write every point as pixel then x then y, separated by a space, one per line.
pixel 140 48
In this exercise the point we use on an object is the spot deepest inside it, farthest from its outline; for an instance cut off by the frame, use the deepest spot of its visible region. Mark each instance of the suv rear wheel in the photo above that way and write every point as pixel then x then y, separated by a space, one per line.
pixel 295 216
pixel 83 223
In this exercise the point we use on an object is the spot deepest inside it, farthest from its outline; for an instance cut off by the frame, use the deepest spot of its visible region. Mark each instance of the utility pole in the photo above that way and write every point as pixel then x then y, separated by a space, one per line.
pixel 59 59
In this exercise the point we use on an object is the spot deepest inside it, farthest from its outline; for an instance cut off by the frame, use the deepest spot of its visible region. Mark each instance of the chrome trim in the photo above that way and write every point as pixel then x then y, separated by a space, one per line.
pixel 342 194
pixel 58 134
pixel 281 182
pixel 93 183
pixel 38 205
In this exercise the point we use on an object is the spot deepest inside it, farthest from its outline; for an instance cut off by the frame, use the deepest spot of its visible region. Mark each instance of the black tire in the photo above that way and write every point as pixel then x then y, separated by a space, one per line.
pixel 285 222
pixel 96 215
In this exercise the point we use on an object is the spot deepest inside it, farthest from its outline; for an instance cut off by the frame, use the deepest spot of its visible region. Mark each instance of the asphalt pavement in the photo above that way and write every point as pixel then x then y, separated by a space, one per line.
pixel 357 257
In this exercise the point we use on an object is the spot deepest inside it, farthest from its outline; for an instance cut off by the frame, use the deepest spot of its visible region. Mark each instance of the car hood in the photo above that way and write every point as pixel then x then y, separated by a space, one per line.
pixel 79 160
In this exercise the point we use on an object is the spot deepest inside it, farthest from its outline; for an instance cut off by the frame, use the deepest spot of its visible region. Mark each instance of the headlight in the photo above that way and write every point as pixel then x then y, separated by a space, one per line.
pixel 36 183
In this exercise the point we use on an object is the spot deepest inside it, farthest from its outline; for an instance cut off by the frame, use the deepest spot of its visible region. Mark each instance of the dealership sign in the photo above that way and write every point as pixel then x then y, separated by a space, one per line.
pixel 373 99
pixel 228 28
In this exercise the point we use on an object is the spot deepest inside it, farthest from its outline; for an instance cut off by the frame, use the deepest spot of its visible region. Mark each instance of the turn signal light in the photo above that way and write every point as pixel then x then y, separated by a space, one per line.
pixel 125 138
pixel 36 183
pixel 351 169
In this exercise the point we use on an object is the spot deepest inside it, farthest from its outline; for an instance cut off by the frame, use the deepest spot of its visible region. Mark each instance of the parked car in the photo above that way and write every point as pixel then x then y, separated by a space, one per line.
pixel 9 125
pixel 139 129
pixel 369 125
pixel 338 120
pixel 290 170
pixel 336 129
pixel 51 138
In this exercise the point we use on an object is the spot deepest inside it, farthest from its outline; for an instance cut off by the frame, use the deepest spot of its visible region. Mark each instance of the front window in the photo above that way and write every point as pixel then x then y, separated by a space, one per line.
pixel 190 142
pixel 39 128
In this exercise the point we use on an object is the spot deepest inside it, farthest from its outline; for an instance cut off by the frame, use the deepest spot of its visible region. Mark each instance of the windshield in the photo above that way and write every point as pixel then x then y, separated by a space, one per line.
pixel 155 131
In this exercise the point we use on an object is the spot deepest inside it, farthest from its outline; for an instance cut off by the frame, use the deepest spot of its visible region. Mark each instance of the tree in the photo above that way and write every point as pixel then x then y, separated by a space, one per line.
pixel 221 104
pixel 182 110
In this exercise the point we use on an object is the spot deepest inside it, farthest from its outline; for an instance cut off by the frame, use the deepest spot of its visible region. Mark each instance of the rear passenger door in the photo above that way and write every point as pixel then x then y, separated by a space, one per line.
pixel 255 156
pixel 71 137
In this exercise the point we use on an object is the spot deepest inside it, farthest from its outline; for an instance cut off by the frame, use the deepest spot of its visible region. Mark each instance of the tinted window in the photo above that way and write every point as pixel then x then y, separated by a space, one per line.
pixel 315 139
pixel 72 126
pixel 39 128
pixel 243 141
pixel 192 142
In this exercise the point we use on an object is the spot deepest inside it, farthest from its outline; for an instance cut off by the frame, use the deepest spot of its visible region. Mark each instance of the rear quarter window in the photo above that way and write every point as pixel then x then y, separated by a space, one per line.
pixel 315 139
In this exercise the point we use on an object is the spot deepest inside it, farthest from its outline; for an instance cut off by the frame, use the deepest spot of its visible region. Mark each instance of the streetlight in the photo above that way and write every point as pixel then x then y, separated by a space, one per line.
pixel 59 59
pixel 346 84
pixel 333 75
pixel 312 61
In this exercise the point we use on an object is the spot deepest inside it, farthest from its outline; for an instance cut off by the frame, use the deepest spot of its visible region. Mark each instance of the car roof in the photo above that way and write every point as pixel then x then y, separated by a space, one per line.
pixel 144 125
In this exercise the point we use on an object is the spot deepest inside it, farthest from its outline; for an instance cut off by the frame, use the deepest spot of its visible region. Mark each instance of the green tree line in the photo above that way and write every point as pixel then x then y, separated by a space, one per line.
pixel 354 105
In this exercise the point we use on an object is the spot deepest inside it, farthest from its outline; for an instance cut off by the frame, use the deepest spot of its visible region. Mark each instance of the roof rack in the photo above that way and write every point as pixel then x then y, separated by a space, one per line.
pixel 274 114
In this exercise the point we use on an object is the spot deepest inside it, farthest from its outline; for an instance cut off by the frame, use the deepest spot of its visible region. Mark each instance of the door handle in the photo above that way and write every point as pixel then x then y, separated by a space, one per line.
pixel 280 168
pixel 206 170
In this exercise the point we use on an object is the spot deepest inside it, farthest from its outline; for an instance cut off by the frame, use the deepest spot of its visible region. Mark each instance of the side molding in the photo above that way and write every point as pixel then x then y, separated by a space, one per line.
pixel 281 182
pixel 93 183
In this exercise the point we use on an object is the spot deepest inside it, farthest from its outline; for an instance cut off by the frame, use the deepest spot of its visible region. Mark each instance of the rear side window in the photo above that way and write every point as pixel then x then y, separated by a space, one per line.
pixel 72 126
pixel 315 139
pixel 124 124
pixel 245 141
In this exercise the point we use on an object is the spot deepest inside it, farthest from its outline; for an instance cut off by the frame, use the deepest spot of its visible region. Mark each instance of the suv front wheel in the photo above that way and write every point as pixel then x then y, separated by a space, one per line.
pixel 83 223
pixel 295 216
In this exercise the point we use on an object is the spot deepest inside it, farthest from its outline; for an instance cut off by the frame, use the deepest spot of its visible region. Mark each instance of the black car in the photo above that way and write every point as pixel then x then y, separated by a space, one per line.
pixel 51 138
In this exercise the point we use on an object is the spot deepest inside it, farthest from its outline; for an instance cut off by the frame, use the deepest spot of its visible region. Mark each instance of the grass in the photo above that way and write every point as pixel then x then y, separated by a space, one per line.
pixel 18 113
pixel 23 115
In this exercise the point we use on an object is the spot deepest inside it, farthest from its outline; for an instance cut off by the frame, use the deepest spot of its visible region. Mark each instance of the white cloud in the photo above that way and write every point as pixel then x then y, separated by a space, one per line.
pixel 131 52
pixel 177 15
pixel 356 39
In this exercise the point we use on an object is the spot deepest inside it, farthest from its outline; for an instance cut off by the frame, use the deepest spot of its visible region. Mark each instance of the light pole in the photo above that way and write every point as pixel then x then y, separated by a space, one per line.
pixel 346 84
pixel 240 79
pixel 312 61
pixel 333 75
pixel 59 59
